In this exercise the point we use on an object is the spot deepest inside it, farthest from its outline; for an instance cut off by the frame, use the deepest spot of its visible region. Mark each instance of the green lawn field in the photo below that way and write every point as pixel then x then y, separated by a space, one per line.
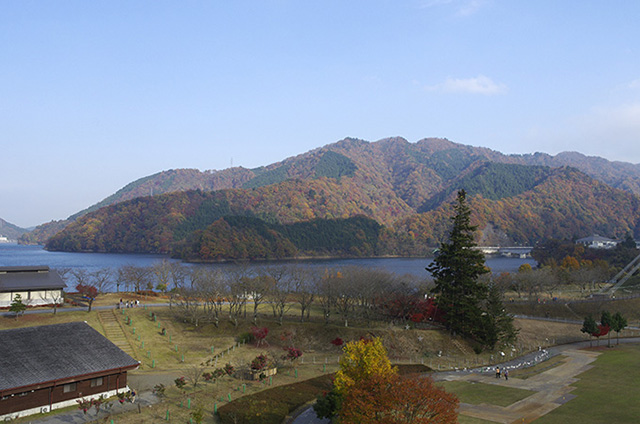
pixel 608 393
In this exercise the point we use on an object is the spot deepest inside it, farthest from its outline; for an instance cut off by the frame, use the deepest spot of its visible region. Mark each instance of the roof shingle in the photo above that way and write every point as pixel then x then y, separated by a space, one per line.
pixel 34 355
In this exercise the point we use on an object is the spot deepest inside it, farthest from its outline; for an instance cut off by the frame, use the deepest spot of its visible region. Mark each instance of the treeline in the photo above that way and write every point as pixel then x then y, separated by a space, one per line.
pixel 241 237
pixel 202 294
pixel 566 252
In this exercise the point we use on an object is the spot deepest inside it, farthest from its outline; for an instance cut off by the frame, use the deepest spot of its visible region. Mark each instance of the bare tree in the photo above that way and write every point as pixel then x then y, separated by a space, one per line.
pixel 178 274
pixel 345 297
pixel 257 289
pixel 135 276
pixel 194 374
pixel 81 276
pixel 187 304
pixel 57 296
pixel 369 287
pixel 326 295
pixel 212 291
pixel 304 286
pixel 235 289
pixel 162 273
pixel 101 279
pixel 281 289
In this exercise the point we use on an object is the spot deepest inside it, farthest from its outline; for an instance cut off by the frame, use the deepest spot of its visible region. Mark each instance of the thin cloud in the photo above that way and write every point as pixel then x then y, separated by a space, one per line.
pixel 471 7
pixel 635 84
pixel 463 8
pixel 479 85
pixel 610 132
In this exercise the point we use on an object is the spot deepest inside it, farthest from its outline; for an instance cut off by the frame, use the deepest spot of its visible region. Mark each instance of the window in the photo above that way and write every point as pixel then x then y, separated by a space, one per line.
pixel 67 388
pixel 96 382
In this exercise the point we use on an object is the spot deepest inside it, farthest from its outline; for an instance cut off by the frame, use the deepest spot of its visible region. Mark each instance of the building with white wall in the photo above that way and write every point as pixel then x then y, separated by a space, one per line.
pixel 37 285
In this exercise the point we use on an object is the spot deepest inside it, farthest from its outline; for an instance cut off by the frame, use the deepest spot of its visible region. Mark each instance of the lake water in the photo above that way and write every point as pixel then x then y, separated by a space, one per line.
pixel 17 255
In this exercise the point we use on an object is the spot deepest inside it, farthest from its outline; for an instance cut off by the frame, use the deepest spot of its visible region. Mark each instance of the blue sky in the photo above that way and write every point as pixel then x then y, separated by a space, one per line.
pixel 96 94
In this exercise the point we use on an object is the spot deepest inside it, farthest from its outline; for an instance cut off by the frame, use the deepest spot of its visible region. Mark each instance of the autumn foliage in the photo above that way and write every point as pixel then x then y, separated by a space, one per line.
pixel 362 359
pixel 395 399
pixel 367 389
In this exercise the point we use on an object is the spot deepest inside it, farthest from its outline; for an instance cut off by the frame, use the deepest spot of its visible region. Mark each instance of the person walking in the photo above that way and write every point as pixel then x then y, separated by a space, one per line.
pixel 497 372
pixel 506 374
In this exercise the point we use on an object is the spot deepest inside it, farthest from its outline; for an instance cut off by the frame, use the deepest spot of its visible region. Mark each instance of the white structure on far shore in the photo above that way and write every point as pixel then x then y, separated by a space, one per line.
pixel 598 242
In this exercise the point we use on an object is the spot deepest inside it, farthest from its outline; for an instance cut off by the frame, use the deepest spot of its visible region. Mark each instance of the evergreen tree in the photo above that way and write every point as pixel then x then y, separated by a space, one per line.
pixel 17 306
pixel 618 323
pixel 497 323
pixel 455 271
pixel 589 326
pixel 607 322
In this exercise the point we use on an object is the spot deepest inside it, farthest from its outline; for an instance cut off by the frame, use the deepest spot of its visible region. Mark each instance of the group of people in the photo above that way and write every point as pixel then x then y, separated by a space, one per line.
pixel 128 304
pixel 504 372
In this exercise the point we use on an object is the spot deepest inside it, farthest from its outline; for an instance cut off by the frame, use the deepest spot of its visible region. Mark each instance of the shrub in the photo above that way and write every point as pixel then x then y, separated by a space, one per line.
pixel 259 362
pixel 228 369
pixel 158 390
pixel 180 382
pixel 292 354
pixel 246 337
pixel 337 341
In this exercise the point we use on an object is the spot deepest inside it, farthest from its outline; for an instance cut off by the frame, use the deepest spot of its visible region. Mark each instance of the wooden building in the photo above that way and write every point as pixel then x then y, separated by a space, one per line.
pixel 37 285
pixel 52 366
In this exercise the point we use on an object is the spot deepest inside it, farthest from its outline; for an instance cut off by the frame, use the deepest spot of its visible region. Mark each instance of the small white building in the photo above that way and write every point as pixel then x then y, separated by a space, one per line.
pixel 36 285
pixel 598 242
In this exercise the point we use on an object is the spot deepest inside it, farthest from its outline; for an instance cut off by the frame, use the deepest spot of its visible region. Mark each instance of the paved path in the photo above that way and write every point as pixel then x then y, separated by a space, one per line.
pixel 552 389
pixel 111 409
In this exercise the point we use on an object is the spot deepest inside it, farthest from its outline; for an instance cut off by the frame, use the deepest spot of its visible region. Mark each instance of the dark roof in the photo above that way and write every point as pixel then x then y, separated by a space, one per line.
pixel 35 355
pixel 19 278
pixel 595 239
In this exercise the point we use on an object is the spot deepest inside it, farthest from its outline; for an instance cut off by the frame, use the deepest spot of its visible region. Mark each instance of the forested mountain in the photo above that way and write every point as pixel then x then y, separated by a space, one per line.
pixel 405 187
pixel 10 231
pixel 293 218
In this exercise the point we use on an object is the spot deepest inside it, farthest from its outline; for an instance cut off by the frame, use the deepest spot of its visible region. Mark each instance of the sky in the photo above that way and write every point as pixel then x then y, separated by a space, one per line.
pixel 96 94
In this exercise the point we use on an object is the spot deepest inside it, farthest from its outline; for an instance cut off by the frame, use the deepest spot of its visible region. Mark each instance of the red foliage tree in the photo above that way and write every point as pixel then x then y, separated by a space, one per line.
pixel 259 335
pixel 88 292
pixel 337 341
pixel 603 330
pixel 395 400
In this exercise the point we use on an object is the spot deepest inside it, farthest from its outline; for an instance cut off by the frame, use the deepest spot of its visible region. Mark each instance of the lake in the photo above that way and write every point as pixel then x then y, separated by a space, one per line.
pixel 17 255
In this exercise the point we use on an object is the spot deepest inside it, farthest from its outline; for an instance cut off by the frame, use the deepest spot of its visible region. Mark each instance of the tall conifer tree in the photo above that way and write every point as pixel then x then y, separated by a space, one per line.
pixel 459 294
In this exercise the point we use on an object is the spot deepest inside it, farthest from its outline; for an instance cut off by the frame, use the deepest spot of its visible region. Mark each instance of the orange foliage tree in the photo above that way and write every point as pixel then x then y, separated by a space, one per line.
pixel 395 400
pixel 367 389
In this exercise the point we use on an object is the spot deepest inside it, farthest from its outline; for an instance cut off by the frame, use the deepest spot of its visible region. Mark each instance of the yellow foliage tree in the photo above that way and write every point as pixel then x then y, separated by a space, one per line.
pixel 360 361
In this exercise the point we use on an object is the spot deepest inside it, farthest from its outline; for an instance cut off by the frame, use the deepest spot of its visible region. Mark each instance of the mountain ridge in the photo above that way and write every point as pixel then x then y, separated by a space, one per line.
pixel 11 231
pixel 388 180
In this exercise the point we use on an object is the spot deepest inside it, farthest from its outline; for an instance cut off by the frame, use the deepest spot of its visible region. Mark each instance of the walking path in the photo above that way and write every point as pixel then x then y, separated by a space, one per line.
pixel 114 331
pixel 552 387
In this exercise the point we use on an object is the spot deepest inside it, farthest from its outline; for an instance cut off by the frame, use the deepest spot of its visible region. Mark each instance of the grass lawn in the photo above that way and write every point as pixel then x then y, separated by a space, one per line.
pixel 463 419
pixel 607 393
pixel 477 393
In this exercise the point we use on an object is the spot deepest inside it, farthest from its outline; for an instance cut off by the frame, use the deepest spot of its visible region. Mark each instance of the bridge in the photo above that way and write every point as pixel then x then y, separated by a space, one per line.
pixel 509 251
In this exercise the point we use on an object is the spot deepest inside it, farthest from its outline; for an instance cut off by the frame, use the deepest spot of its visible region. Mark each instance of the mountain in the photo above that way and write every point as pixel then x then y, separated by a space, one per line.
pixel 413 171
pixel 404 188
pixel 10 231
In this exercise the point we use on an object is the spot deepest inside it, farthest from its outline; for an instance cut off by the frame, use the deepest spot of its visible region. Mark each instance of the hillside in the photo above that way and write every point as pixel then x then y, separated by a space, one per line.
pixel 398 184
pixel 10 231
pixel 510 204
